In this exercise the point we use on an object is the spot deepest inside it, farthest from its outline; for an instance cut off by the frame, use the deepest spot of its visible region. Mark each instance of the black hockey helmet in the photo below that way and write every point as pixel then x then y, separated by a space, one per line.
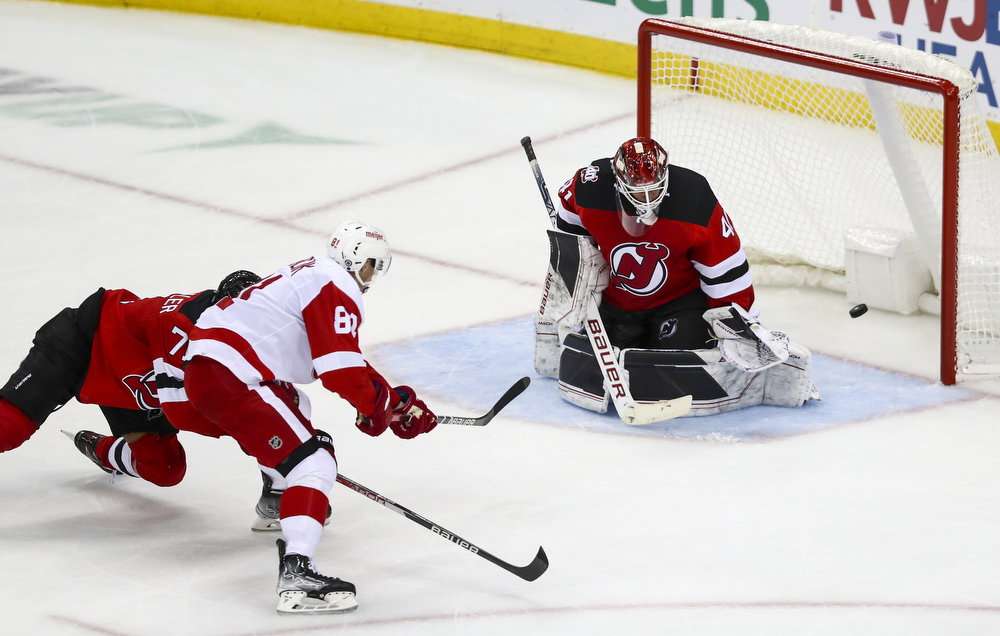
pixel 235 283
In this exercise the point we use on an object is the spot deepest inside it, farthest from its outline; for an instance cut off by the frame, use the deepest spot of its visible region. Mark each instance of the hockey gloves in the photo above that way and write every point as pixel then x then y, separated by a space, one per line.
pixel 411 417
pixel 378 420
pixel 744 342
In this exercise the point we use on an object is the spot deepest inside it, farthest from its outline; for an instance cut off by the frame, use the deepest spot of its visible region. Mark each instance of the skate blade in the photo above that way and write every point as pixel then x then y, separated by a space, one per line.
pixel 262 524
pixel 299 603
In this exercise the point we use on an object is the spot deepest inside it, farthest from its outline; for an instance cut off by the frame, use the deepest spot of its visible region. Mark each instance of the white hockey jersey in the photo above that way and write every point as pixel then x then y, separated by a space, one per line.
pixel 295 325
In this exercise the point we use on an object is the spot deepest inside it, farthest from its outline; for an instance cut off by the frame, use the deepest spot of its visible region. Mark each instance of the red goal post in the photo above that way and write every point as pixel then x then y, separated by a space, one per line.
pixel 736 100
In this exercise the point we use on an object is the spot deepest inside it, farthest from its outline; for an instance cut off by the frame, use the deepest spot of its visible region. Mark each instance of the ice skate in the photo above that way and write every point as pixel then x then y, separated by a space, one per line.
pixel 86 443
pixel 303 590
pixel 269 508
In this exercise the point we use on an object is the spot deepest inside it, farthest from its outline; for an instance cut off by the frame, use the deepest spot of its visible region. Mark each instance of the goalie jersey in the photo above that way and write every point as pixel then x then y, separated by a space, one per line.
pixel 692 244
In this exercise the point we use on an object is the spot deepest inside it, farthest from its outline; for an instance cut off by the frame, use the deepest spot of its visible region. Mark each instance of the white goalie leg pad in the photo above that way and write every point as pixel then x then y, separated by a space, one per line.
pixel 576 268
pixel 715 385
pixel 547 347
pixel 743 388
pixel 790 383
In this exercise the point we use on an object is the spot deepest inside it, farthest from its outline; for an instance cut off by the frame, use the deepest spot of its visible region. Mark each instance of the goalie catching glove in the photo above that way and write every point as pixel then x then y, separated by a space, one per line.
pixel 408 418
pixel 744 342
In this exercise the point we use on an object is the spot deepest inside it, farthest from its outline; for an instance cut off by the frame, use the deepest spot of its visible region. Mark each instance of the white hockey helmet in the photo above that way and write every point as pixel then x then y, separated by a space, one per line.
pixel 353 244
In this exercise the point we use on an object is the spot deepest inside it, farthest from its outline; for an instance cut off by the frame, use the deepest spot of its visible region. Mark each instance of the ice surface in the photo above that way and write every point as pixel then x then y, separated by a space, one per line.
pixel 159 152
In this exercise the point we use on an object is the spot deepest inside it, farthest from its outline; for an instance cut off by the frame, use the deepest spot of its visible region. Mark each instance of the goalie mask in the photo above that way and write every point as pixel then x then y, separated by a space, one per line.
pixel 640 167
pixel 354 244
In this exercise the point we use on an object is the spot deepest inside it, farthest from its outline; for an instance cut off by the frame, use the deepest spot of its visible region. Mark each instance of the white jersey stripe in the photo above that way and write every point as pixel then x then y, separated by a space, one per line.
pixel 716 271
pixel 272 400
pixel 727 289
pixel 338 360
pixel 229 357
pixel 167 395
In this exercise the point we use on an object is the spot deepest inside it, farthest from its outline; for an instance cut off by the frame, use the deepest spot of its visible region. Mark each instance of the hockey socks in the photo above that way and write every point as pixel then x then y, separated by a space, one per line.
pixel 158 460
pixel 303 512
pixel 15 426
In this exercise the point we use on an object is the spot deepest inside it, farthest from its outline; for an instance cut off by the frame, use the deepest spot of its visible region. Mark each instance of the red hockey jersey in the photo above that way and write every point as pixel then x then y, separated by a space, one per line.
pixel 692 244
pixel 136 359
pixel 297 325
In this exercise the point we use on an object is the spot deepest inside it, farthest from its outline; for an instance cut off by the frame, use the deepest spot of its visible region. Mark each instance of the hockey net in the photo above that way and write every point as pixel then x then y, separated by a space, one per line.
pixel 805 134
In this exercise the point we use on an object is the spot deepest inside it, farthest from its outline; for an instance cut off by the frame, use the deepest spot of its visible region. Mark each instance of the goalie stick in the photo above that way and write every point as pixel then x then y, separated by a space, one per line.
pixel 528 572
pixel 542 188
pixel 514 391
pixel 630 411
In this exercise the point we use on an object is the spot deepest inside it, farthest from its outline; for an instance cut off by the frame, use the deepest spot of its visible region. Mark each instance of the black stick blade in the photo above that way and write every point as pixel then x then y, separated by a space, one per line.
pixel 534 569
pixel 483 420
pixel 514 391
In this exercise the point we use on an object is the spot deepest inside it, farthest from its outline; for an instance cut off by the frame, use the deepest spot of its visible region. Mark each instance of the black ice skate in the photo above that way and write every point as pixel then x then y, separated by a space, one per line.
pixel 86 443
pixel 303 590
pixel 269 507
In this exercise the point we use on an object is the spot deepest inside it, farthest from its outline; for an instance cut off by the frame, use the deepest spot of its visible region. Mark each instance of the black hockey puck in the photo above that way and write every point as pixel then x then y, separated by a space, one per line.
pixel 859 310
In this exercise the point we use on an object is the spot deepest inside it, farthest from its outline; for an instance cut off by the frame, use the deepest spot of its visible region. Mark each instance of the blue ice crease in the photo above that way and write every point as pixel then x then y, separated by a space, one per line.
pixel 474 366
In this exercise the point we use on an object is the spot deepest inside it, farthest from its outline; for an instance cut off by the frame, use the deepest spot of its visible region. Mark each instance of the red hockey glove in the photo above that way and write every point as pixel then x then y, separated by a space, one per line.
pixel 377 421
pixel 411 417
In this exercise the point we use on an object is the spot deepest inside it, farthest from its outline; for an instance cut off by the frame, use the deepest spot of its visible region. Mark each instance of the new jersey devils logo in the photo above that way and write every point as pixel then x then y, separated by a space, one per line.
pixel 144 389
pixel 639 268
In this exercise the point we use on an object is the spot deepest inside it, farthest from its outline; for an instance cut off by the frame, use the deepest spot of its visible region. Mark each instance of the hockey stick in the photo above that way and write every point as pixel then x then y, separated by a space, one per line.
pixel 542 188
pixel 630 411
pixel 483 420
pixel 528 572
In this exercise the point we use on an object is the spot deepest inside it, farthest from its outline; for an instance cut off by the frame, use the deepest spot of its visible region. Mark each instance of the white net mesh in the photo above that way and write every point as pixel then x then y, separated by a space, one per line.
pixel 796 157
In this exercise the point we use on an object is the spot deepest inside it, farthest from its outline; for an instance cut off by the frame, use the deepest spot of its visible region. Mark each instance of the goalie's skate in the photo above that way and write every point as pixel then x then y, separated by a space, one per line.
pixel 303 590
pixel 269 509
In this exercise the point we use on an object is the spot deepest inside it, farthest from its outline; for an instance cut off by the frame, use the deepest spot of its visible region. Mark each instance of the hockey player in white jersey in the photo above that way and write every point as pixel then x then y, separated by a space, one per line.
pixel 295 326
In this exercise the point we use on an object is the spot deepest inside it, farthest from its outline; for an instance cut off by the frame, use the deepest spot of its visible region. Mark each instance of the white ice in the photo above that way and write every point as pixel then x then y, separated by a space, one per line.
pixel 121 165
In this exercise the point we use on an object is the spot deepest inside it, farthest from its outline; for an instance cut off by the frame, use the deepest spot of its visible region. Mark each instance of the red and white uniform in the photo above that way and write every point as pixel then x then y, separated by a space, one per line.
pixel 136 359
pixel 692 244
pixel 297 325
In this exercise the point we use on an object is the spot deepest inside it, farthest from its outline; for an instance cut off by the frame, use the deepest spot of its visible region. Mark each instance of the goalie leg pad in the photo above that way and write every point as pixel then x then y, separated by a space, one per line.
pixel 790 383
pixel 581 381
pixel 576 268
pixel 546 347
pixel 715 386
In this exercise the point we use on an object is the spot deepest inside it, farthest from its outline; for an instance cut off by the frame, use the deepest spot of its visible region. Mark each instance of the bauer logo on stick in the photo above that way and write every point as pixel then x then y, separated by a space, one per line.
pixel 602 349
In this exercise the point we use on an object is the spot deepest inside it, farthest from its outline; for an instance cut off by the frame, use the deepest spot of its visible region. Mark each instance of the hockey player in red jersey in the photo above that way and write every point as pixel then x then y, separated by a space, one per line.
pixel 674 277
pixel 123 353
pixel 299 325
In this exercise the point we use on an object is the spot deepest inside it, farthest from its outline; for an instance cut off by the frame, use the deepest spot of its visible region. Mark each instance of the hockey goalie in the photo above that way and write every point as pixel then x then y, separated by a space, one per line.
pixel 676 293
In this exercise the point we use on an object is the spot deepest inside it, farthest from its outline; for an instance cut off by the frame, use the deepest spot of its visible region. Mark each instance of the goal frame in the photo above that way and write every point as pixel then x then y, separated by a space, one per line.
pixel 946 89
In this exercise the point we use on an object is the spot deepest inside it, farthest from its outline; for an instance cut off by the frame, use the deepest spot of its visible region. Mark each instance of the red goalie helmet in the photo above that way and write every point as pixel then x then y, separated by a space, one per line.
pixel 640 167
